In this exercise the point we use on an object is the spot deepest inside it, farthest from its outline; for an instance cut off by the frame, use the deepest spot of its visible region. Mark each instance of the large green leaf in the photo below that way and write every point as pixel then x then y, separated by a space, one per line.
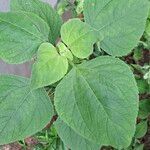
pixel 72 139
pixel 22 112
pixel 49 68
pixel 43 10
pixel 101 101
pixel 79 37
pixel 20 36
pixel 119 22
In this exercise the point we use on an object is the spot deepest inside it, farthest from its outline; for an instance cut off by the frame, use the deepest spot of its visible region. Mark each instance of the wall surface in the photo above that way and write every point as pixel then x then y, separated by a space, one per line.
pixel 24 69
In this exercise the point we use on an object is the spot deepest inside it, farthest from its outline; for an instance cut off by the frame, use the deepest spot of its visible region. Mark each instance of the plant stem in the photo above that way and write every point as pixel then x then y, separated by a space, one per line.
pixel 71 63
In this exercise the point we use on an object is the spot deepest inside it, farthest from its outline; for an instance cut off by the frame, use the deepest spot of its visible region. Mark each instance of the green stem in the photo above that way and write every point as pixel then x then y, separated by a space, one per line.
pixel 71 63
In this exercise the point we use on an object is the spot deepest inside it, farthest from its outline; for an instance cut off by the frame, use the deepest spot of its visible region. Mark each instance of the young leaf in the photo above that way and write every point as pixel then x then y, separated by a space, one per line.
pixel 43 10
pixel 64 51
pixel 144 109
pixel 49 68
pixel 141 129
pixel 23 112
pixel 79 37
pixel 120 23
pixel 72 139
pixel 101 101
pixel 21 35
pixel 137 54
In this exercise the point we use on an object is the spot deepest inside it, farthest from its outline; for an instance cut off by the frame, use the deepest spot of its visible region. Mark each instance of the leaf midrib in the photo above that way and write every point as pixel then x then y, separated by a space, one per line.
pixel 102 104
pixel 114 21
pixel 16 110
pixel 12 24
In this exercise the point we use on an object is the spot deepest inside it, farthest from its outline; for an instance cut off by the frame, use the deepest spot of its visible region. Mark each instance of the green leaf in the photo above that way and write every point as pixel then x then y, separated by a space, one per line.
pixel 142 86
pixel 137 54
pixel 43 10
pixel 23 112
pixel 141 129
pixel 144 109
pixel 62 6
pixel 139 146
pixel 79 8
pixel 147 78
pixel 72 139
pixel 147 30
pixel 101 101
pixel 120 23
pixel 49 68
pixel 21 35
pixel 64 51
pixel 79 37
